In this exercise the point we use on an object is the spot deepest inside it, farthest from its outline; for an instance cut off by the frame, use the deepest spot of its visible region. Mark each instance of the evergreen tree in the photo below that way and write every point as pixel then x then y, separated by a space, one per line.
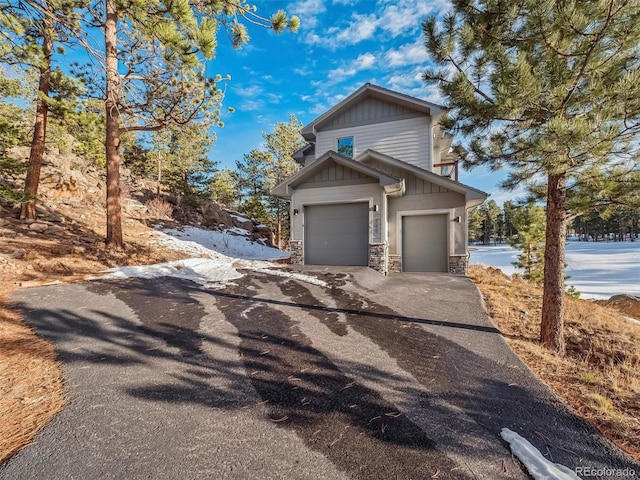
pixel 225 188
pixel 550 89
pixel 529 221
pixel 154 74
pixel 281 145
pixel 22 26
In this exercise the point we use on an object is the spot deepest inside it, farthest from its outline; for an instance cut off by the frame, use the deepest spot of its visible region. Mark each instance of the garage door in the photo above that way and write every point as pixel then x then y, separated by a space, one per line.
pixel 336 234
pixel 424 243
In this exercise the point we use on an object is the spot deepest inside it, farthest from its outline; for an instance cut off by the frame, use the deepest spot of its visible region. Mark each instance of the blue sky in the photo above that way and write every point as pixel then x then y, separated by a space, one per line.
pixel 341 45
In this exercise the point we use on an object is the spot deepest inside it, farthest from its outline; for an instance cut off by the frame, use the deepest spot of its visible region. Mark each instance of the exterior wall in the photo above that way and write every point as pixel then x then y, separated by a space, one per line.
pixel 451 202
pixel 458 264
pixel 408 140
pixel 369 192
pixel 370 110
pixel 378 257
pixel 296 252
pixel 334 174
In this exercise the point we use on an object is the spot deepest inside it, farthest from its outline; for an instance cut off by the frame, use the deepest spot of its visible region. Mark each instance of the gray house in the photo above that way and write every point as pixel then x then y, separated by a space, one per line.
pixel 378 187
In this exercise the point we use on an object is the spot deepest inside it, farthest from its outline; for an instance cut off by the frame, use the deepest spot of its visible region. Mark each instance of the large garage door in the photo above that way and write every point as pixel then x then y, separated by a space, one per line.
pixel 424 243
pixel 336 234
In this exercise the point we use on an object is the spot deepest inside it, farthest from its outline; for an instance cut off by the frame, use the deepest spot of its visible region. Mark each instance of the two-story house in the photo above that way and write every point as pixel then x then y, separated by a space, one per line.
pixel 378 187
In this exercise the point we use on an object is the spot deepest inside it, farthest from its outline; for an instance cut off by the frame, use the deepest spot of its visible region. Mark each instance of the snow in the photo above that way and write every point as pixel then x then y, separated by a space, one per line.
pixel 218 257
pixel 199 241
pixel 595 269
pixel 538 466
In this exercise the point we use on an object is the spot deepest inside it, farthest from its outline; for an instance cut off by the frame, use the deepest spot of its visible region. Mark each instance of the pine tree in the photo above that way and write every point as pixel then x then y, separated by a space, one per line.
pixel 529 221
pixel 22 25
pixel 161 80
pixel 550 89
pixel 281 145
pixel 225 188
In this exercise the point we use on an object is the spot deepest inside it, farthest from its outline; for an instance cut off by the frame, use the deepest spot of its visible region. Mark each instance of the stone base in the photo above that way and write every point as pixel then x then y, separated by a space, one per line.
pixel 458 264
pixel 296 252
pixel 395 263
pixel 378 257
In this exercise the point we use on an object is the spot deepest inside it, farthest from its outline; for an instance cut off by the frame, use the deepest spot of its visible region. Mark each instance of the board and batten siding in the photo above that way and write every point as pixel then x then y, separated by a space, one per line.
pixel 370 110
pixel 369 192
pixel 451 201
pixel 334 174
pixel 408 140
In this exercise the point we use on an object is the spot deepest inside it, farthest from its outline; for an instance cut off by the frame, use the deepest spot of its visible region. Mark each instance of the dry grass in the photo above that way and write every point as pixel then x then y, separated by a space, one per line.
pixel 600 375
pixel 31 385
pixel 30 382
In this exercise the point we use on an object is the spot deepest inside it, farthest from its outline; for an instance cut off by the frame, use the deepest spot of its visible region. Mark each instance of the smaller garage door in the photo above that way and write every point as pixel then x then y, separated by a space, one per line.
pixel 336 234
pixel 424 243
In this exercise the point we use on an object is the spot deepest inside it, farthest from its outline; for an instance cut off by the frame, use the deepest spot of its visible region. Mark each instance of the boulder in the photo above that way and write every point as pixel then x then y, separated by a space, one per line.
pixel 241 222
pixel 214 215
pixel 38 227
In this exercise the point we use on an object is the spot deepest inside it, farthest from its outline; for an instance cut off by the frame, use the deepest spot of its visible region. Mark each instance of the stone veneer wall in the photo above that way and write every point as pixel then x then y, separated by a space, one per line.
pixel 395 263
pixel 458 264
pixel 296 252
pixel 378 257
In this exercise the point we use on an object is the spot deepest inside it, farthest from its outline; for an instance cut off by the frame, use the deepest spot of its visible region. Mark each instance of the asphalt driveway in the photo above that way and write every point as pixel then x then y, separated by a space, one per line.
pixel 372 378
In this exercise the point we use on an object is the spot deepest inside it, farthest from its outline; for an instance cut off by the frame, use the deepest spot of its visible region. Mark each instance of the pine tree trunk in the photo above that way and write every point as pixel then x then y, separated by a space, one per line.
pixel 112 138
pixel 32 180
pixel 278 223
pixel 551 328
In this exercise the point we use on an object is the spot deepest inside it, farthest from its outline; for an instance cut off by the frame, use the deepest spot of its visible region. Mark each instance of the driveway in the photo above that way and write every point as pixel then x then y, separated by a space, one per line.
pixel 371 377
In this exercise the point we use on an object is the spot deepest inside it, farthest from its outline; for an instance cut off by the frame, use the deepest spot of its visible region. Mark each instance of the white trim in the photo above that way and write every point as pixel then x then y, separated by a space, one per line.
pixel 412 213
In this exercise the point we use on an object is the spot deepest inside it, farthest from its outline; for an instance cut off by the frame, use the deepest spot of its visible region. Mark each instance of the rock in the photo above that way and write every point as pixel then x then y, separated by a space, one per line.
pixel 19 253
pixel 627 304
pixel 241 222
pixel 4 222
pixel 38 227
pixel 55 229
pixel 213 215
pixel 79 250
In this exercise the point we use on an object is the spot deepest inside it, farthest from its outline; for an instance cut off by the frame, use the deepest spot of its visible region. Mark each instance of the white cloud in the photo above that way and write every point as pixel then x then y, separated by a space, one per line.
pixel 252 91
pixel 251 105
pixel 308 11
pixel 407 54
pixel 361 27
pixel 364 61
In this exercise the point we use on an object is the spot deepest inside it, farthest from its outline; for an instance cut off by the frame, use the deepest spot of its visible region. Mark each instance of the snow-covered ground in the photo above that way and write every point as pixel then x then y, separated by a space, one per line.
pixel 596 269
pixel 536 464
pixel 217 258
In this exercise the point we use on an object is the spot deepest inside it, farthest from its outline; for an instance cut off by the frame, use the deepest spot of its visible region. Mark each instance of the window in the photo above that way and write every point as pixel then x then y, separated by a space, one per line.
pixel 345 146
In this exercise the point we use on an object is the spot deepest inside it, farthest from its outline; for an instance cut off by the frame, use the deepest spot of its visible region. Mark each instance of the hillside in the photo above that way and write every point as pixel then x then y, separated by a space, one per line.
pixel 66 243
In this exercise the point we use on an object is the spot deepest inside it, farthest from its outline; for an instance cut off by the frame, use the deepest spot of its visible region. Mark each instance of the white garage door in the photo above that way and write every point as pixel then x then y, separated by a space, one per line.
pixel 336 234
pixel 424 243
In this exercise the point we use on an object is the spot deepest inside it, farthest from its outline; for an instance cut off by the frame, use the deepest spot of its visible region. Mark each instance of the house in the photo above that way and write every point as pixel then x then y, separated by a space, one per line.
pixel 378 187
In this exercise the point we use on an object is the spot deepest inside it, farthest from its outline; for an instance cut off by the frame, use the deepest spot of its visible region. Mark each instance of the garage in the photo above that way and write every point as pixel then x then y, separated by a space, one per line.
pixel 424 243
pixel 336 234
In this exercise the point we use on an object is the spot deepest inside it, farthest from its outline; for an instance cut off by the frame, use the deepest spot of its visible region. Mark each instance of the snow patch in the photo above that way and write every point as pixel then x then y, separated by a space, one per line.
pixel 538 466
pixel 595 269
pixel 219 255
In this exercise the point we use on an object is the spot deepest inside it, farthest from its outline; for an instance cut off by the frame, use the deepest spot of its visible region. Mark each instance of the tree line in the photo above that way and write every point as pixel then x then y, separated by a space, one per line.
pixel 490 224
pixel 146 72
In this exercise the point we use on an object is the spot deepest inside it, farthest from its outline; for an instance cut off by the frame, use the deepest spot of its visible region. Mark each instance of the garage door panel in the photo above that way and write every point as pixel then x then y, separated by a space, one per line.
pixel 424 243
pixel 337 234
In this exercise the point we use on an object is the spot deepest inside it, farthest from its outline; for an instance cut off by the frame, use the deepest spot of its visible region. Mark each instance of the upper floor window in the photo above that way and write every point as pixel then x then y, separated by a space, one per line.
pixel 345 146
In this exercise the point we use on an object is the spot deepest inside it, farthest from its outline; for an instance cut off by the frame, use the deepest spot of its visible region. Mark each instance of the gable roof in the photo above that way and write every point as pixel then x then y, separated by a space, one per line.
pixel 473 195
pixel 370 90
pixel 284 189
